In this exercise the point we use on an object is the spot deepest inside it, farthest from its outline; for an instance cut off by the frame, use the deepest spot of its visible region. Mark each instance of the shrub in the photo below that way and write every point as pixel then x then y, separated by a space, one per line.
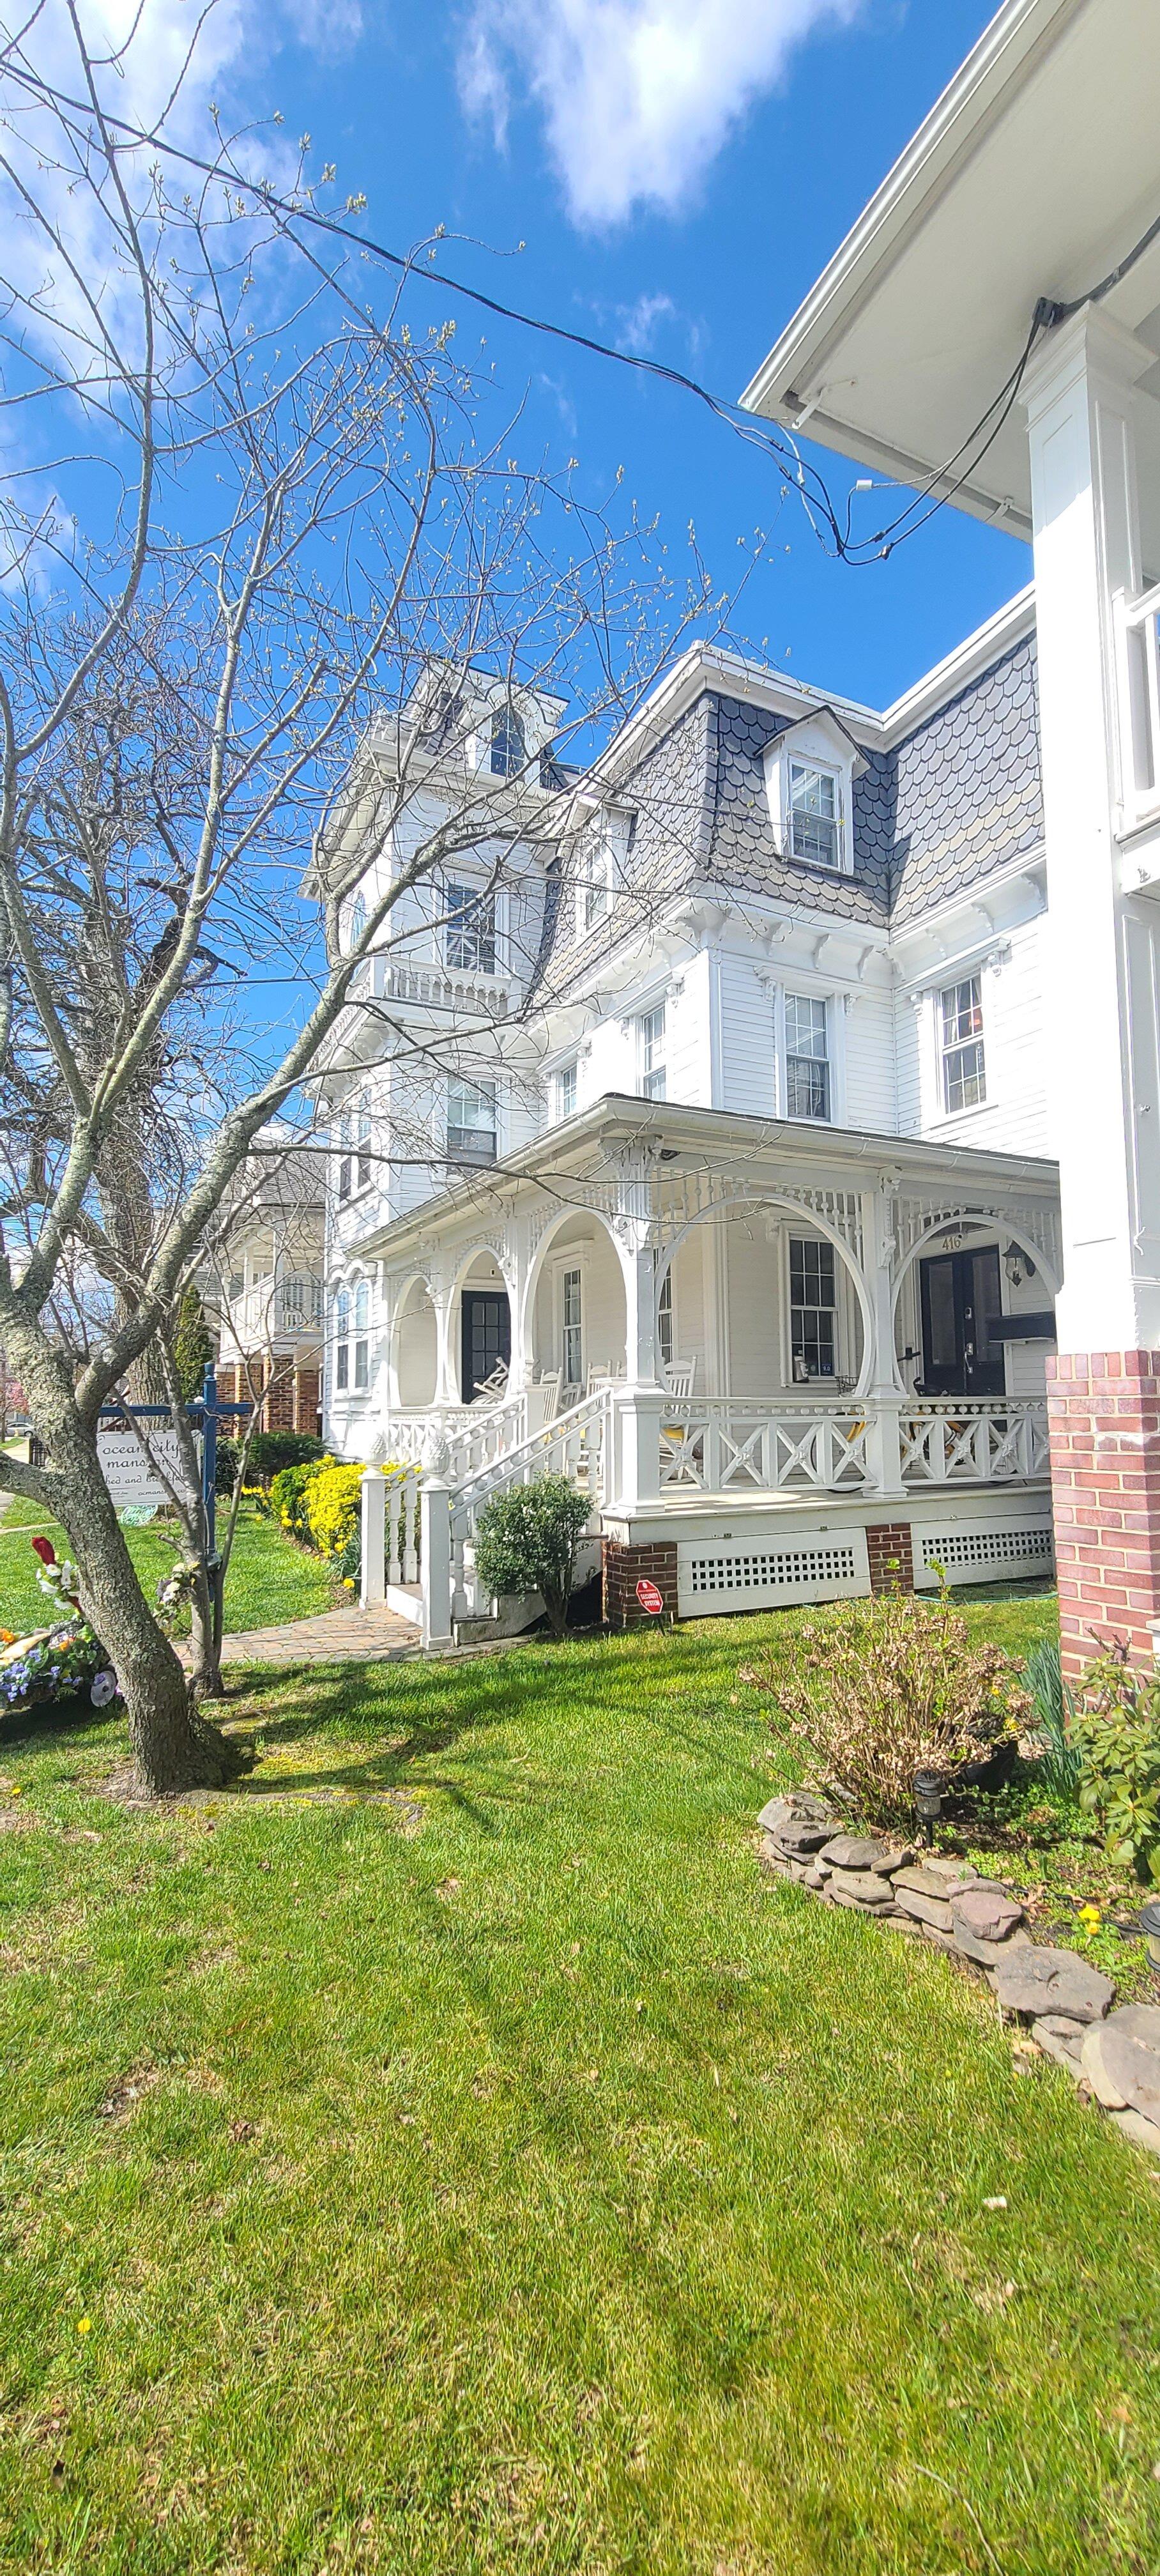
pixel 270 1451
pixel 893 1689
pixel 226 1471
pixel 1115 1728
pixel 332 1507
pixel 288 1491
pixel 526 1541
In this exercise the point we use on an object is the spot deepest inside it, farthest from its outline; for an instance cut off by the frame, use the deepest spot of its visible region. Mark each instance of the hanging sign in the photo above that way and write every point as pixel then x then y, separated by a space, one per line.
pixel 128 1472
pixel 649 1598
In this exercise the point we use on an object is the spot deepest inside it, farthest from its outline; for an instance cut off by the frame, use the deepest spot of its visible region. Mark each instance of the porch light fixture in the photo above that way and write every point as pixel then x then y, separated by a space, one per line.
pixel 928 1789
pixel 1018 1265
pixel 1149 1921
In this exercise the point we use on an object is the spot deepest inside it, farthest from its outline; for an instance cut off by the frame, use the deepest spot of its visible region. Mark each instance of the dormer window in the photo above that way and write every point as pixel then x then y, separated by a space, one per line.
pixel 508 748
pixel 815 815
pixel 356 926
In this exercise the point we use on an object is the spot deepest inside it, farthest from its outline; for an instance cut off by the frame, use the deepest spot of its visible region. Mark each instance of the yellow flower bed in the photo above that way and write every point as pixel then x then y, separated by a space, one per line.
pixel 332 1508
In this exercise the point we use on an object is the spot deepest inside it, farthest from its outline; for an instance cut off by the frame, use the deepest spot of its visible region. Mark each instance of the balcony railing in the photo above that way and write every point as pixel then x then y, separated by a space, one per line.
pixel 274 1307
pixel 437 988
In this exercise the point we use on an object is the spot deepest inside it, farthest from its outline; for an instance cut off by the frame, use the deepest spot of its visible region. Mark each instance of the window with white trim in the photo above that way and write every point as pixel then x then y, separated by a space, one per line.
pixel 354 1142
pixel 815 815
pixel 508 748
pixel 358 921
pixel 342 1341
pixel 665 1319
pixel 469 936
pixel 807 1057
pixel 566 1082
pixel 595 885
pixel 362 1325
pixel 572 1327
pixel 813 1308
pixel 471 1121
pixel 960 1013
pixel 652 1044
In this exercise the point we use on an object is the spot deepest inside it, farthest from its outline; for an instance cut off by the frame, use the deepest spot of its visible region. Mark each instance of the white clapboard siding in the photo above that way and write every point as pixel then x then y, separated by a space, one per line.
pixel 747 1077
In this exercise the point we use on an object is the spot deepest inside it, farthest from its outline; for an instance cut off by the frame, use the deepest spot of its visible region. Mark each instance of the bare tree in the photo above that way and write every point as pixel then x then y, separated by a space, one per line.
pixel 242 512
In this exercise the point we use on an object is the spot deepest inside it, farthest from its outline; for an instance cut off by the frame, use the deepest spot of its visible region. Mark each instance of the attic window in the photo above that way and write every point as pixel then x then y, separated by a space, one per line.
pixel 815 815
pixel 508 749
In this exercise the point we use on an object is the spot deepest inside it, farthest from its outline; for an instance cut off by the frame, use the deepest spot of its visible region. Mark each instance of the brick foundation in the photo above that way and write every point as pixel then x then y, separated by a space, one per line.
pixel 1103 1410
pixel 622 1568
pixel 891 1554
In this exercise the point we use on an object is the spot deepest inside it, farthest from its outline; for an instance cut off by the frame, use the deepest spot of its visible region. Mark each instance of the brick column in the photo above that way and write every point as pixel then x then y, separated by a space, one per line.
pixel 1103 1410
pixel 622 1569
pixel 891 1553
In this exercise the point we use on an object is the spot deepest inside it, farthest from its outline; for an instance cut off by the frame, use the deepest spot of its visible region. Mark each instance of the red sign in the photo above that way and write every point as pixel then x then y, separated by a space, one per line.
pixel 649 1598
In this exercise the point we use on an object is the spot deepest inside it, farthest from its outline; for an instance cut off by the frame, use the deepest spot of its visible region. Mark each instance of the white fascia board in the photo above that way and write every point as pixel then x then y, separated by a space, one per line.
pixel 971 103
pixel 960 666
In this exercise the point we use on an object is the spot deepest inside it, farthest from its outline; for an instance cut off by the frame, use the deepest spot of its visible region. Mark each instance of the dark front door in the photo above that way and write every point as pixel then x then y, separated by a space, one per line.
pixel 487 1337
pixel 960 1301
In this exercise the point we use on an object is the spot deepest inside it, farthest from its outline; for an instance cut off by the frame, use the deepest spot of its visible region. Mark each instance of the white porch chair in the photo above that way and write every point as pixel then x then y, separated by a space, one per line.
pixel 493 1388
pixel 548 1391
pixel 680 1378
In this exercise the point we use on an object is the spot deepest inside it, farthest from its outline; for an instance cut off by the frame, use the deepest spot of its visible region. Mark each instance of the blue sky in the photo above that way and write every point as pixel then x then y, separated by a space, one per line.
pixel 678 171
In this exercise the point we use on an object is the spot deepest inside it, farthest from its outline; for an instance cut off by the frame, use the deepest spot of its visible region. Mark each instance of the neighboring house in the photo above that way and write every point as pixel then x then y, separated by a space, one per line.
pixel 265 1299
pixel 695 1138
pixel 989 331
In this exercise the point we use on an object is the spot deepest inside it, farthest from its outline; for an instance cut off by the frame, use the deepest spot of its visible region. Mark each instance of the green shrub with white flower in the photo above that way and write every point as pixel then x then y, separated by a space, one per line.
pixel 64 1661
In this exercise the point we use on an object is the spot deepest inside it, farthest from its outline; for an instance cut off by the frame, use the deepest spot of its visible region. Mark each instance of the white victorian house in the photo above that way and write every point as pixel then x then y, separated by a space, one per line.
pixel 691 1135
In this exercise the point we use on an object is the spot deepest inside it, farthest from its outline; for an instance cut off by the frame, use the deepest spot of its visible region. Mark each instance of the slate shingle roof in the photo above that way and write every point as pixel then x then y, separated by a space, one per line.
pixel 969 796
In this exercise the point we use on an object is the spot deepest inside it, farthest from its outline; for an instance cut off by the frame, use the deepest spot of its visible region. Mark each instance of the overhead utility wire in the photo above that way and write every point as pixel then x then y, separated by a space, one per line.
pixel 1048 314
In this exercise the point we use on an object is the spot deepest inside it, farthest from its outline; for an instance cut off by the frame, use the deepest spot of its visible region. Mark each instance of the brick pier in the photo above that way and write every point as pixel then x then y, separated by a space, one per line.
pixel 1103 1410
pixel 622 1569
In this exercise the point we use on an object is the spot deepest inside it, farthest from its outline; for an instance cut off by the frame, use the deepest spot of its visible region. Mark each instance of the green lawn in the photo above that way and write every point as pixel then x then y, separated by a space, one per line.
pixel 269 1578
pixel 450 2152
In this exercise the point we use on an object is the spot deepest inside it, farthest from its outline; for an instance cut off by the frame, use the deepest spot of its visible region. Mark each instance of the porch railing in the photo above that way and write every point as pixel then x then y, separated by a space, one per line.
pixel 475 1435
pixel 962 1442
pixel 763 1448
pixel 578 1444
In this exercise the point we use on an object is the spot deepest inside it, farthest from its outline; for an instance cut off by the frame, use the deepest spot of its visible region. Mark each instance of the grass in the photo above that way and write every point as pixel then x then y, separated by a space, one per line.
pixel 269 1578
pixel 449 2152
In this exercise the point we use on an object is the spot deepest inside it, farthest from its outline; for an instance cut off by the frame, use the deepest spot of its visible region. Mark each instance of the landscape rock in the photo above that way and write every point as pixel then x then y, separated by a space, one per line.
pixel 931 1910
pixel 1029 1980
pixel 951 1874
pixel 863 1885
pixel 1121 2059
pixel 987 1911
pixel 815 1878
pixel 941 1940
pixel 900 1922
pixel 798 1822
pixel 864 1851
pixel 927 1882
pixel 1143 2132
pixel 772 1858
pixel 986 1954
pixel 1061 2039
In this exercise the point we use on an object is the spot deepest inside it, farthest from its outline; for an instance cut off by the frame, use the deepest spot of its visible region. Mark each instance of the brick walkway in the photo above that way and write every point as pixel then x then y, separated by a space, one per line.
pixel 335 1637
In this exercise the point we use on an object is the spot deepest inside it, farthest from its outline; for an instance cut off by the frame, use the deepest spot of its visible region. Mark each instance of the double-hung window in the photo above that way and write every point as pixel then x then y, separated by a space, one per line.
pixel 653 1081
pixel 508 748
pixel 665 1319
pixel 354 1148
pixel 960 1010
pixel 566 1082
pixel 571 1328
pixel 807 1057
pixel 595 889
pixel 471 1121
pixel 362 1325
pixel 342 1341
pixel 469 942
pixel 812 1308
pixel 815 815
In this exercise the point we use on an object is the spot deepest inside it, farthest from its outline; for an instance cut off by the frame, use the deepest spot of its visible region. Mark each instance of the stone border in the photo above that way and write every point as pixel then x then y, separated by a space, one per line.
pixel 1065 2002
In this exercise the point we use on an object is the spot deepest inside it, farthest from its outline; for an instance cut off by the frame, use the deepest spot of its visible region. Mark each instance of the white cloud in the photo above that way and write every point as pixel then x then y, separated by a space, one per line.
pixel 638 322
pixel 637 95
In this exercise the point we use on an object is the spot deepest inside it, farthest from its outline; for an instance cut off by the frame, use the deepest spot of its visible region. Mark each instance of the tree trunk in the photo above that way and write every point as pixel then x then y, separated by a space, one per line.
pixel 175 1748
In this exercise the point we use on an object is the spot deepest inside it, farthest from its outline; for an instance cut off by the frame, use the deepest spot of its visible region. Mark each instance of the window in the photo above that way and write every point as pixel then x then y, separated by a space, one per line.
pixel 471 1126
pixel 807 1058
pixel 470 933
pixel 342 1341
pixel 652 1053
pixel 566 1090
pixel 362 1322
pixel 507 744
pixel 357 923
pixel 815 815
pixel 595 891
pixel 665 1319
pixel 571 1334
pixel 354 1142
pixel 812 1315
pixel 961 1038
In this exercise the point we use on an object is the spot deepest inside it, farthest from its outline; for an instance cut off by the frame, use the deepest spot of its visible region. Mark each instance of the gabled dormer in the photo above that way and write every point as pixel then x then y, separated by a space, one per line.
pixel 810 768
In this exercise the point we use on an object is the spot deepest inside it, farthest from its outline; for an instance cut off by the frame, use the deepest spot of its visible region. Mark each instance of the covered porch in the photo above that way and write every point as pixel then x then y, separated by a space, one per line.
pixel 692 1312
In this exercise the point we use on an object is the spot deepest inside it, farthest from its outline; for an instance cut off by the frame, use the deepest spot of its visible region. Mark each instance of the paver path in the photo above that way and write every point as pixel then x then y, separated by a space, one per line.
pixel 334 1637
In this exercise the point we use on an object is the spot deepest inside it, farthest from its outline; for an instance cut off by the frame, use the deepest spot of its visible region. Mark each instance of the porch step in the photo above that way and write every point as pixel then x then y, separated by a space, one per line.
pixel 406 1601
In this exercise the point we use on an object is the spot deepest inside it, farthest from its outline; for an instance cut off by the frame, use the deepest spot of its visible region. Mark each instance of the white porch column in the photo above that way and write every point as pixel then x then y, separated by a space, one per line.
pixel 373 1582
pixel 435 1560
pixel 446 1388
pixel 884 1392
pixel 639 1408
pixel 1103 970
